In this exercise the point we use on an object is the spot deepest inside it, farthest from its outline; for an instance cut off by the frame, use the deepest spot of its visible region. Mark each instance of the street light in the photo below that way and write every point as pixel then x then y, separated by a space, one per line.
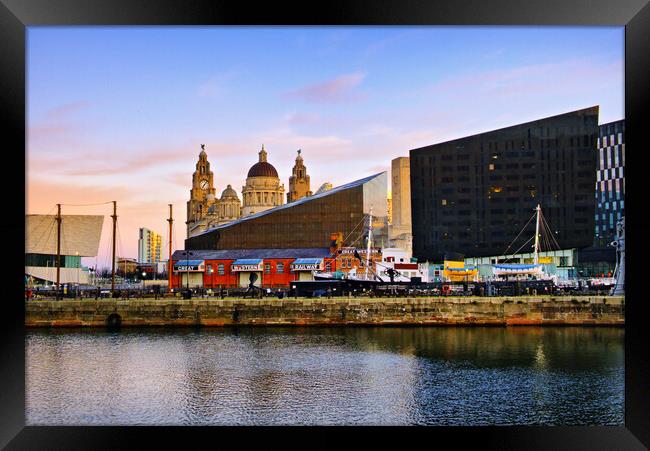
pixel 143 275
pixel 78 265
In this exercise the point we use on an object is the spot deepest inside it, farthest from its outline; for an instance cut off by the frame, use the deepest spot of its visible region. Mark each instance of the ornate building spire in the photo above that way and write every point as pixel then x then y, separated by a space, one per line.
pixel 202 193
pixel 299 180
pixel 262 154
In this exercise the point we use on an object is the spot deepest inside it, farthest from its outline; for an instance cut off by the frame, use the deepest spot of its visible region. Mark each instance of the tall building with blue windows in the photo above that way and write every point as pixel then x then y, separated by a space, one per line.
pixel 600 259
pixel 610 181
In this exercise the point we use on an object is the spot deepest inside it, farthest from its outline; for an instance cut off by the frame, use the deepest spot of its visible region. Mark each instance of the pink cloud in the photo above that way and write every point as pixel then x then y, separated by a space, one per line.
pixel 105 163
pixel 66 110
pixel 340 89
pixel 563 76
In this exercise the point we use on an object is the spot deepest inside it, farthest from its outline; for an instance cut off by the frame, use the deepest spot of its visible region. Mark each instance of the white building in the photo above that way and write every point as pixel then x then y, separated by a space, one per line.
pixel 80 236
pixel 405 268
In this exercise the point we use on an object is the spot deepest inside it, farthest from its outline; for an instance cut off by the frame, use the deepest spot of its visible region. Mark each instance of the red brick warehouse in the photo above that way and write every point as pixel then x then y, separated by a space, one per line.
pixel 275 268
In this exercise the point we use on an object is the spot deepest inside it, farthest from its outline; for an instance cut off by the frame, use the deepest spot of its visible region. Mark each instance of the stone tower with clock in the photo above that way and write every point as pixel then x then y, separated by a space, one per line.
pixel 202 194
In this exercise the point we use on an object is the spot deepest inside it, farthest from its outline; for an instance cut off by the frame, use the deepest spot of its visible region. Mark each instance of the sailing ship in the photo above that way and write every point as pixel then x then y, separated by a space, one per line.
pixel 534 270
pixel 368 275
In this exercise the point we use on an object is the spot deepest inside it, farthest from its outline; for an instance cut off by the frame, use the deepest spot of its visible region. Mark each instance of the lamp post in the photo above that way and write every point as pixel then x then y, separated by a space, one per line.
pixel 78 262
pixel 143 276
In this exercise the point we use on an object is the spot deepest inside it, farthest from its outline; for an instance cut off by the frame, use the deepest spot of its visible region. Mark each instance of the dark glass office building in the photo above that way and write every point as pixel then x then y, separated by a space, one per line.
pixel 474 195
pixel 308 222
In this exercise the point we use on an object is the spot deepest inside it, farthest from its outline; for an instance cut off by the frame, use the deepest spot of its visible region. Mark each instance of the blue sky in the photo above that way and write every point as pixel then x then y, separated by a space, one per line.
pixel 118 113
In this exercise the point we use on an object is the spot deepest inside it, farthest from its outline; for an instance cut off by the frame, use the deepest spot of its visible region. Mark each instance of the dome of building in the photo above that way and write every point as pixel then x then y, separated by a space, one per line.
pixel 262 169
pixel 229 193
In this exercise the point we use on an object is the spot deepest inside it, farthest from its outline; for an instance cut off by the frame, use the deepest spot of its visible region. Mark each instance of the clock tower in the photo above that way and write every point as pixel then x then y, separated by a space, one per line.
pixel 202 194
pixel 299 181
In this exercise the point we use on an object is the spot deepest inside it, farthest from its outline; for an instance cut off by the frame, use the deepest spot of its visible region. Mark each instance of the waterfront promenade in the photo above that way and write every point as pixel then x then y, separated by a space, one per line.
pixel 407 311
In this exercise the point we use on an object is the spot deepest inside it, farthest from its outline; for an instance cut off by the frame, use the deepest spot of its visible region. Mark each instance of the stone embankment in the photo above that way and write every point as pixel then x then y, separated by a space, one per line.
pixel 452 311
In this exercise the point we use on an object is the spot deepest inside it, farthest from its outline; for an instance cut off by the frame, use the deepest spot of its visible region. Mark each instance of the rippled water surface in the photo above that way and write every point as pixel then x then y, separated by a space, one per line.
pixel 268 376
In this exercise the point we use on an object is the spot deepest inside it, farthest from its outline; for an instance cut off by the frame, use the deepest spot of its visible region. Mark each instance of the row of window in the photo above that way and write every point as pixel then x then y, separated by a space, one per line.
pixel 279 268
pixel 349 263
pixel 608 174
pixel 610 140
pixel 612 157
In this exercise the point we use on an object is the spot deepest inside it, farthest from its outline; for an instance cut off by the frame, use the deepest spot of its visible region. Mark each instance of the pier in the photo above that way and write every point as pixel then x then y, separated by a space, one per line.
pixel 409 311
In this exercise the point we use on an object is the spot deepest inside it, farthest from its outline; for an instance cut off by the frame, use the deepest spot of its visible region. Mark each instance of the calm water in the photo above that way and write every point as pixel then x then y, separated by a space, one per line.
pixel 268 376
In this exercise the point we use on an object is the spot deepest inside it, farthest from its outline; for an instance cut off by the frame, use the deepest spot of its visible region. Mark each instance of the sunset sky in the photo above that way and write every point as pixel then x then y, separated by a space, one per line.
pixel 119 113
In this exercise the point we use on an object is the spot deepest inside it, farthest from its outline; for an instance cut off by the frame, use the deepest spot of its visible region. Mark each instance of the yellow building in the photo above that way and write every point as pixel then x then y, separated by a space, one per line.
pixel 456 271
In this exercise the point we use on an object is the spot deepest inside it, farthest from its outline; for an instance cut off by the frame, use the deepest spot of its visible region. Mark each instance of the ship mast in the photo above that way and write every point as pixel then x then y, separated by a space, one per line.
pixel 114 216
pixel 58 249
pixel 369 240
pixel 536 258
pixel 169 263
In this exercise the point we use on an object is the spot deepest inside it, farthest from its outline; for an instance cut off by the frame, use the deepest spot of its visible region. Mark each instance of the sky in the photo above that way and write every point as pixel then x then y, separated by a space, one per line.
pixel 119 113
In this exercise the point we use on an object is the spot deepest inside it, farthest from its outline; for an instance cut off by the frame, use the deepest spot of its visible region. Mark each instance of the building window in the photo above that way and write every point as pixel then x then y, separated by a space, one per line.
pixel 220 269
pixel 280 268
pixel 328 267
pixel 267 268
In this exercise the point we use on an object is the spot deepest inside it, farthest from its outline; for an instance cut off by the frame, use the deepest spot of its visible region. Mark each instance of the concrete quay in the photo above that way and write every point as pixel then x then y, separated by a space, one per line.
pixel 415 311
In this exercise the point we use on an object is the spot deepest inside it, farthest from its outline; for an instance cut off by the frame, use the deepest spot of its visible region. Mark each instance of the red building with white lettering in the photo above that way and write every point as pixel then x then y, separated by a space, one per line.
pixel 271 268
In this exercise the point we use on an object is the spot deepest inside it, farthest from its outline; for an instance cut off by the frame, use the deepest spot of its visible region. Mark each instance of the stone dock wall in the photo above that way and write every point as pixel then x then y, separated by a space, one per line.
pixel 453 311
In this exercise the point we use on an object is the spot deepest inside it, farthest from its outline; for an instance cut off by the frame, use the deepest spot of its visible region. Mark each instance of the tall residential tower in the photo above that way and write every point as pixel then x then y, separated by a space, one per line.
pixel 149 246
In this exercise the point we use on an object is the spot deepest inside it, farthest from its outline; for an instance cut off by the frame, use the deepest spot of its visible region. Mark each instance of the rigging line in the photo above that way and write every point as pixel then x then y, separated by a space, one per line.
pixel 362 234
pixel 545 240
pixel 548 232
pixel 529 240
pixel 363 219
pixel 86 205
pixel 360 237
pixel 520 232
pixel 549 235
pixel 552 236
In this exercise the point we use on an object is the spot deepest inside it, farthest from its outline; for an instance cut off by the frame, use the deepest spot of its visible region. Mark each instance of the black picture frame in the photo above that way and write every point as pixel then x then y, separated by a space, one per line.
pixel 16 15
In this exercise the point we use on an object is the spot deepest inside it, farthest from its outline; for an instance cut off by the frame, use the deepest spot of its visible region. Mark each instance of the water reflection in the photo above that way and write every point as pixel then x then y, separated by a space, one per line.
pixel 450 376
